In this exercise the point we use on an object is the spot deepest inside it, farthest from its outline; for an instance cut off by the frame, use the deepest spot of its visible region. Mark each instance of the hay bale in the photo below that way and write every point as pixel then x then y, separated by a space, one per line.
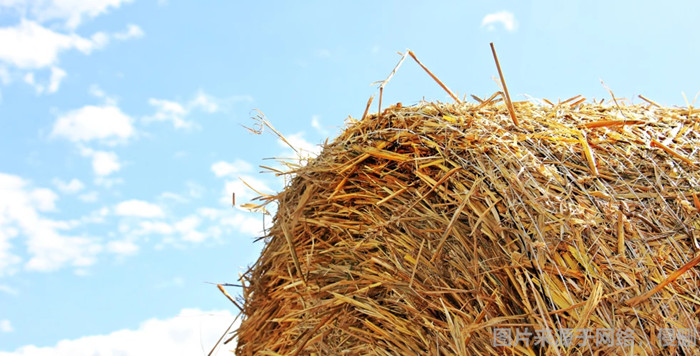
pixel 442 228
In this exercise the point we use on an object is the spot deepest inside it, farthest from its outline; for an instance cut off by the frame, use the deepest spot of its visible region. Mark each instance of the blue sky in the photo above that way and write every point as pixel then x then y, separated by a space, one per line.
pixel 121 134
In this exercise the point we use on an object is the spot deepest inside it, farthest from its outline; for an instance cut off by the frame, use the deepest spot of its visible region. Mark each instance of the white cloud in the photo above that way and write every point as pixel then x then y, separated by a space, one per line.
pixel 51 251
pixel 246 223
pixel 9 290
pixel 107 182
pixel 243 192
pixel 43 199
pixel 195 190
pixel 304 147
pixel 103 163
pixel 205 102
pixel 187 227
pixel 250 224
pixel 222 168
pixel 177 112
pixel 505 18
pixel 4 75
pixel 95 216
pixel 209 213
pixel 90 197
pixel 29 79
pixel 191 332
pixel 33 44
pixel 97 92
pixel 132 31
pixel 122 247
pixel 173 197
pixel 316 124
pixel 154 227
pixel 71 187
pixel 167 110
pixel 107 123
pixel 57 75
pixel 71 12
pixel 48 249
pixel 11 3
pixel 29 45
pixel 6 326
pixel 138 208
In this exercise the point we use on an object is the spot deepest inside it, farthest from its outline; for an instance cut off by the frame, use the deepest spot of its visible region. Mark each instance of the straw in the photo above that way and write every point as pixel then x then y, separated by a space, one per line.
pixel 432 228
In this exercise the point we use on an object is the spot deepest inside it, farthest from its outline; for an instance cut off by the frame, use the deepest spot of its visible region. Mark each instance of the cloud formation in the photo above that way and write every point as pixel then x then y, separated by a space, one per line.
pixel 71 187
pixel 138 208
pixel 89 123
pixel 103 163
pixel 505 18
pixel 6 326
pixel 222 168
pixel 191 332
pixel 177 112
pixel 30 45
pixel 22 211
pixel 35 44
pixel 71 12
pixel 304 148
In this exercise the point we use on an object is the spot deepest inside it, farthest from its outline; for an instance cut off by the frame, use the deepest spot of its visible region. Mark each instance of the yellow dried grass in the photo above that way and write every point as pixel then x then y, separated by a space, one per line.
pixel 423 229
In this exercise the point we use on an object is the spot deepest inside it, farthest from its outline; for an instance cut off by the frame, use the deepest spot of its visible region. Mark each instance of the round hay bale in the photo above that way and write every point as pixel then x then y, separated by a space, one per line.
pixel 445 229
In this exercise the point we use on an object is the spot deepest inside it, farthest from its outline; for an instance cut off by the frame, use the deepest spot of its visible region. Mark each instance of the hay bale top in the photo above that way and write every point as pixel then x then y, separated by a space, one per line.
pixel 424 229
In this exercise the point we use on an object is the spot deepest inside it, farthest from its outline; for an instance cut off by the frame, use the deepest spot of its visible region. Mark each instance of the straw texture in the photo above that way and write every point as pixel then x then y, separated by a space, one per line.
pixel 430 229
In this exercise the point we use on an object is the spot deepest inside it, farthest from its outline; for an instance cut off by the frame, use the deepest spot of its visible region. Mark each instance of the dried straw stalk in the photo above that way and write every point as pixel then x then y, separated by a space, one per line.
pixel 423 229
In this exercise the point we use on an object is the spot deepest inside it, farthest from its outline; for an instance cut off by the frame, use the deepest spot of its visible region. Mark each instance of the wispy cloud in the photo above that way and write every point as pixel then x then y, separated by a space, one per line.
pixel 138 208
pixel 505 18
pixel 107 124
pixel 90 197
pixel 123 247
pixel 191 332
pixel 4 75
pixel 72 13
pixel 30 45
pixel 249 224
pixel 173 197
pixel 167 110
pixel 305 148
pixel 57 75
pixel 154 227
pixel 22 211
pixel 246 223
pixel 71 187
pixel 132 32
pixel 9 290
pixel 243 191
pixel 316 124
pixel 222 168
pixel 177 112
pixel 6 326
pixel 104 163
pixel 35 44
pixel 188 229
